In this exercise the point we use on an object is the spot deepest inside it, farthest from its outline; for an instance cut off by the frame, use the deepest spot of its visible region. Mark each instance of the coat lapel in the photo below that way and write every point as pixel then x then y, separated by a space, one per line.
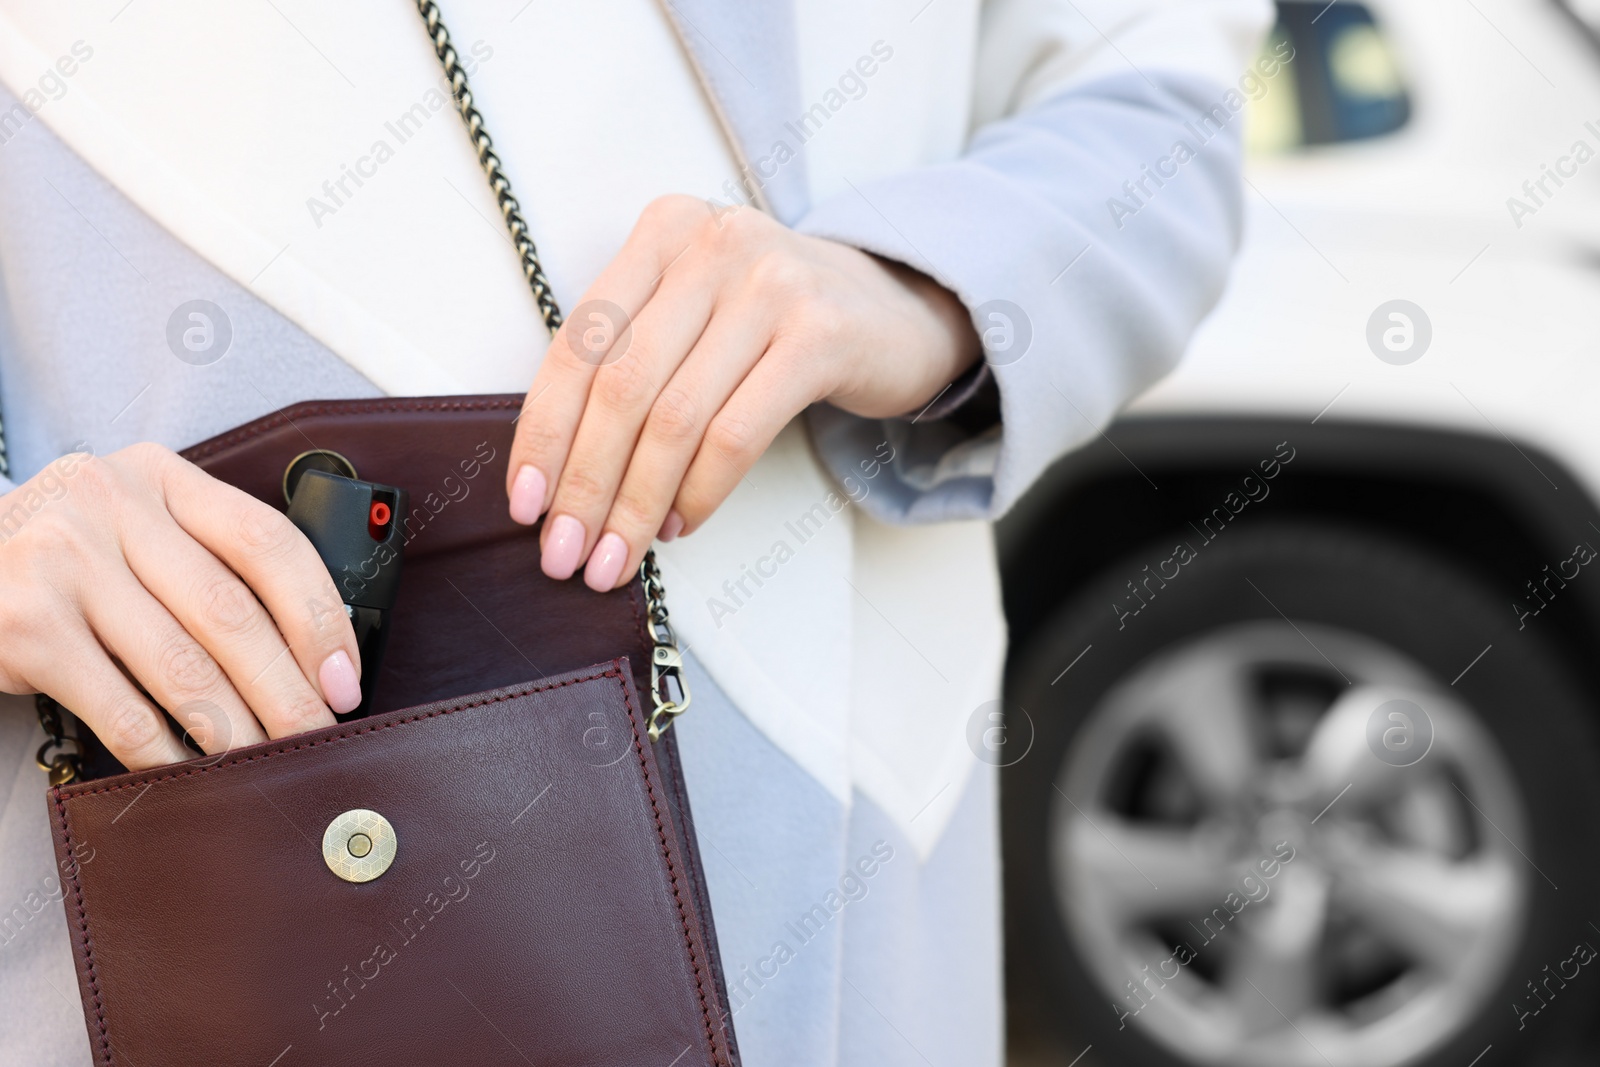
pixel 746 54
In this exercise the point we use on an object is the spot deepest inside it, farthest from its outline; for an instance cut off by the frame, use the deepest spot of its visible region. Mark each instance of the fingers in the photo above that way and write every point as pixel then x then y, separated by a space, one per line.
pixel 209 601
pixel 276 561
pixel 674 431
pixel 80 676
pixel 622 397
pixel 770 395
pixel 173 667
pixel 125 582
pixel 600 326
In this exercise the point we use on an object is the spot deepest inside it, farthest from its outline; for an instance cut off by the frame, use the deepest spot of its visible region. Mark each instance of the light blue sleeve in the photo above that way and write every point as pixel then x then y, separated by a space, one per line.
pixel 1084 268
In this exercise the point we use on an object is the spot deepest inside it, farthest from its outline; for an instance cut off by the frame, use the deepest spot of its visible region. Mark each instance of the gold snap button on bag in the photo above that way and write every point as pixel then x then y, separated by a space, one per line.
pixel 358 845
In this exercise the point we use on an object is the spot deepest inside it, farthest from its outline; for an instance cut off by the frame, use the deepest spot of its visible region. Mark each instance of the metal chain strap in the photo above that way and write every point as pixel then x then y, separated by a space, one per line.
pixel 60 755
pixel 510 210
pixel 669 689
pixel 666 662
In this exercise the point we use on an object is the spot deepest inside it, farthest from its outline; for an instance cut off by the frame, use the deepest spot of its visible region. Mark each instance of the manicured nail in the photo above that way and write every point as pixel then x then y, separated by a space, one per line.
pixel 562 547
pixel 672 527
pixel 341 685
pixel 605 563
pixel 527 494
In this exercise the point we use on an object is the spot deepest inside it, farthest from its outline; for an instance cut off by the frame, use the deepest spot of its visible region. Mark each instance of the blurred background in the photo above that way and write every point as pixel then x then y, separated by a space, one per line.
pixel 1300 755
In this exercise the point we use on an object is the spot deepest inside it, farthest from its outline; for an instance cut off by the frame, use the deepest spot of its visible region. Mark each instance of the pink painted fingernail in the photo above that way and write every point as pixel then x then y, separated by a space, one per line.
pixel 672 527
pixel 563 546
pixel 341 685
pixel 527 494
pixel 605 563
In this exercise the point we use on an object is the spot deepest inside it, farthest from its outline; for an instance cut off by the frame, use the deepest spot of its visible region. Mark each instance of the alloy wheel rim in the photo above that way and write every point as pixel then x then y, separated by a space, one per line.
pixel 1382 934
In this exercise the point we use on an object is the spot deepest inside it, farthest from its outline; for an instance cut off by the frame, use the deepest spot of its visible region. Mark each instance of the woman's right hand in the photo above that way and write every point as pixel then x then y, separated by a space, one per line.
pixel 139 569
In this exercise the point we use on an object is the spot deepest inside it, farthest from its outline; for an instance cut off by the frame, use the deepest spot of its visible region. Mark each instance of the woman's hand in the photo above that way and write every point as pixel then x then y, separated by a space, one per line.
pixel 731 324
pixel 140 569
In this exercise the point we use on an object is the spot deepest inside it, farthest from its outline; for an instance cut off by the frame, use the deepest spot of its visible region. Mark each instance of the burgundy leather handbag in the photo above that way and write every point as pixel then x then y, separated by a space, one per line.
pixel 542 899
pixel 497 866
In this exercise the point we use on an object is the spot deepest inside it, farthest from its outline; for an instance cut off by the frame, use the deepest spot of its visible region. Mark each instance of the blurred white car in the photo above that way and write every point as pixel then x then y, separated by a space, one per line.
pixel 1311 684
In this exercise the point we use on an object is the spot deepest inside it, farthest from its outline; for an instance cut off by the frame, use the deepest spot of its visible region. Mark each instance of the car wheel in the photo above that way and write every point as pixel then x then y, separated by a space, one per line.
pixel 1279 811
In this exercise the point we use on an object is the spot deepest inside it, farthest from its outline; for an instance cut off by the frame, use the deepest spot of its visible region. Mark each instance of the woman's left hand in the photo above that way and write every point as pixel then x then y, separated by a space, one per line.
pixel 705 336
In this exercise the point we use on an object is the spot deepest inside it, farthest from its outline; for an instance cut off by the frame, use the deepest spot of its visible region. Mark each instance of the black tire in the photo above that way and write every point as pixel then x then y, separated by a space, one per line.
pixel 1436 614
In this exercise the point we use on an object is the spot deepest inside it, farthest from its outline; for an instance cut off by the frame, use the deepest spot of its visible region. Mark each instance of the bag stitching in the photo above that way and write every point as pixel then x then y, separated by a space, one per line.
pixel 672 874
pixel 83 926
pixel 610 672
